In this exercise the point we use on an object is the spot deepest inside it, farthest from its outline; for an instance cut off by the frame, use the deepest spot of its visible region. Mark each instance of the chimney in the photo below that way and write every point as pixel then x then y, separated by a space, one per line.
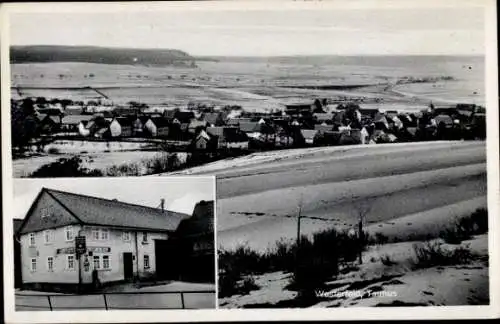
pixel 162 204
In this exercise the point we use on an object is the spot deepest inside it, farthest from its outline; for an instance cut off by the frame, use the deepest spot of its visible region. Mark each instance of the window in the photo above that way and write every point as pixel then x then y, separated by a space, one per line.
pixel 146 261
pixel 144 236
pixel 47 235
pixel 95 234
pixel 69 233
pixel 33 264
pixel 70 262
pixel 97 263
pixel 86 265
pixel 47 211
pixel 50 263
pixel 32 239
pixel 104 234
pixel 105 261
pixel 126 236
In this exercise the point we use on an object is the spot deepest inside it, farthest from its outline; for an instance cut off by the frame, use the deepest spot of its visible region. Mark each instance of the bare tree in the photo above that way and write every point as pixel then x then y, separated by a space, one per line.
pixel 361 207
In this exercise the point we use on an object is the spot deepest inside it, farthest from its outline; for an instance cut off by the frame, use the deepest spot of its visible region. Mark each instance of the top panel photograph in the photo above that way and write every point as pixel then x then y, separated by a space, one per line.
pixel 142 93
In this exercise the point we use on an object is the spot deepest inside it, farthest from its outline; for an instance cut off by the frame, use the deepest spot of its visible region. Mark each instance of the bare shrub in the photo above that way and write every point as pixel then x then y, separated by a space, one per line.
pixel 432 253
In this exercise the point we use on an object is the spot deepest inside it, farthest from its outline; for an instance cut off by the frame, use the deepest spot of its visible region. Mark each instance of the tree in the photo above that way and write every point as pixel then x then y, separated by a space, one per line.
pixel 24 124
pixel 361 208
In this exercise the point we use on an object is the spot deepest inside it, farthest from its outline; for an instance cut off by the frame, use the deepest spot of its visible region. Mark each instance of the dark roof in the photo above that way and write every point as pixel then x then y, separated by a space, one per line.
pixel 17 224
pixel 184 116
pixel 213 117
pixel 50 111
pixel 228 134
pixel 248 126
pixel 125 121
pixel 105 212
pixel 160 121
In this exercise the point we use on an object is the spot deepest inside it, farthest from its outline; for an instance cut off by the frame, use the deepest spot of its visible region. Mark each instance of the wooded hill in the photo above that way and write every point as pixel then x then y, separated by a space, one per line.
pixel 103 55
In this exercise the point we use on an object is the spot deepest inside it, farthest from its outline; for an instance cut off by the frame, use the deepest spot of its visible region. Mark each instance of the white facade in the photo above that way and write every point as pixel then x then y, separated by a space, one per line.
pixel 48 256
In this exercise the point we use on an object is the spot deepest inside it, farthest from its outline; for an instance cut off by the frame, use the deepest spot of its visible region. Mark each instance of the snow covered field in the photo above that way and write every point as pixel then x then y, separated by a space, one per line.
pixel 377 284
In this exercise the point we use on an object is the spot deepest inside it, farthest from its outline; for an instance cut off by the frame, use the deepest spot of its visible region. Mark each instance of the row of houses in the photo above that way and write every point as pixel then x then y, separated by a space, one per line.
pixel 317 123
pixel 122 242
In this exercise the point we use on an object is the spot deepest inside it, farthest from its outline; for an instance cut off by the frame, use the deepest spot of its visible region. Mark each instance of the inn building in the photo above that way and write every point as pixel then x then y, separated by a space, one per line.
pixel 117 241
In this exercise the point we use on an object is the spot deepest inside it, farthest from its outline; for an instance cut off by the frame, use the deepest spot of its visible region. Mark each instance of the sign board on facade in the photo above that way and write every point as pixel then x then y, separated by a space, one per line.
pixel 80 244
pixel 70 250
pixel 98 249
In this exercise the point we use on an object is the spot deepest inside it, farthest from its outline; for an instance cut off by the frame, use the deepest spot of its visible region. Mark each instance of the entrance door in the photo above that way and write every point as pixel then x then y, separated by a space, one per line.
pixel 128 266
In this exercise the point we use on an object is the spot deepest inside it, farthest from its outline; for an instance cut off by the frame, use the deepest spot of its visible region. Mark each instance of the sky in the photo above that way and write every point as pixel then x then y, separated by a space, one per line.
pixel 395 31
pixel 180 193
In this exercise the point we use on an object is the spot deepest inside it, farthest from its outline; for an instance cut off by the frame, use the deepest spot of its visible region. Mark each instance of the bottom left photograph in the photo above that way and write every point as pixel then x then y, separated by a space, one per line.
pixel 114 243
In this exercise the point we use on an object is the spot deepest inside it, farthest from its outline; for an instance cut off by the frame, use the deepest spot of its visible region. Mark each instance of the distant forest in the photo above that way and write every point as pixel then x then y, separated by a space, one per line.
pixel 103 55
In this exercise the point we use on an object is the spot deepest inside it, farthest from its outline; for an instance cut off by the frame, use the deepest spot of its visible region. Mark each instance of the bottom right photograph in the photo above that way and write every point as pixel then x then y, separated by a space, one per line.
pixel 344 228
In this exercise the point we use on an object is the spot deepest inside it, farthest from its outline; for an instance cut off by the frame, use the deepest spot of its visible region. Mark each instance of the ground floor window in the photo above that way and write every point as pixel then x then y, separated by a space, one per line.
pixel 102 262
pixel 70 262
pixel 33 264
pixel 50 263
pixel 105 261
pixel 146 261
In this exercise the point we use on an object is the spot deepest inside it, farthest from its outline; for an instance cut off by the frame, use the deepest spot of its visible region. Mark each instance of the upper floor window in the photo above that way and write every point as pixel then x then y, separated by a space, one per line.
pixel 100 234
pixel 126 236
pixel 104 234
pixel 33 264
pixel 144 236
pixel 32 239
pixel 47 236
pixel 95 234
pixel 69 233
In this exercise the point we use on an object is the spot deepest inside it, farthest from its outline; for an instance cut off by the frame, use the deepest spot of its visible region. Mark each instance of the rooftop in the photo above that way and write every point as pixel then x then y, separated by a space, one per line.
pixel 100 211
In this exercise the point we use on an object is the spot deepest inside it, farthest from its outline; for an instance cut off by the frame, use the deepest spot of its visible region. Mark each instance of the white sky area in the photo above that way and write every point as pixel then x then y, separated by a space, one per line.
pixel 395 31
pixel 180 194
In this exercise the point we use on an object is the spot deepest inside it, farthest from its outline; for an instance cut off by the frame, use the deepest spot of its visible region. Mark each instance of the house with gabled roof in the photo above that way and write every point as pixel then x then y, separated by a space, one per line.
pixel 229 137
pixel 157 127
pixel 72 123
pixel 123 241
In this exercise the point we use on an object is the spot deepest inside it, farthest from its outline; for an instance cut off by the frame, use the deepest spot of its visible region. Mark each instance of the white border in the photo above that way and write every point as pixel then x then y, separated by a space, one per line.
pixel 446 312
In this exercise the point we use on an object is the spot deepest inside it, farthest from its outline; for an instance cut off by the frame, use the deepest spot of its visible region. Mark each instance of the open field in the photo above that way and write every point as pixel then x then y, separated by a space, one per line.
pixel 258 195
pixel 257 84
